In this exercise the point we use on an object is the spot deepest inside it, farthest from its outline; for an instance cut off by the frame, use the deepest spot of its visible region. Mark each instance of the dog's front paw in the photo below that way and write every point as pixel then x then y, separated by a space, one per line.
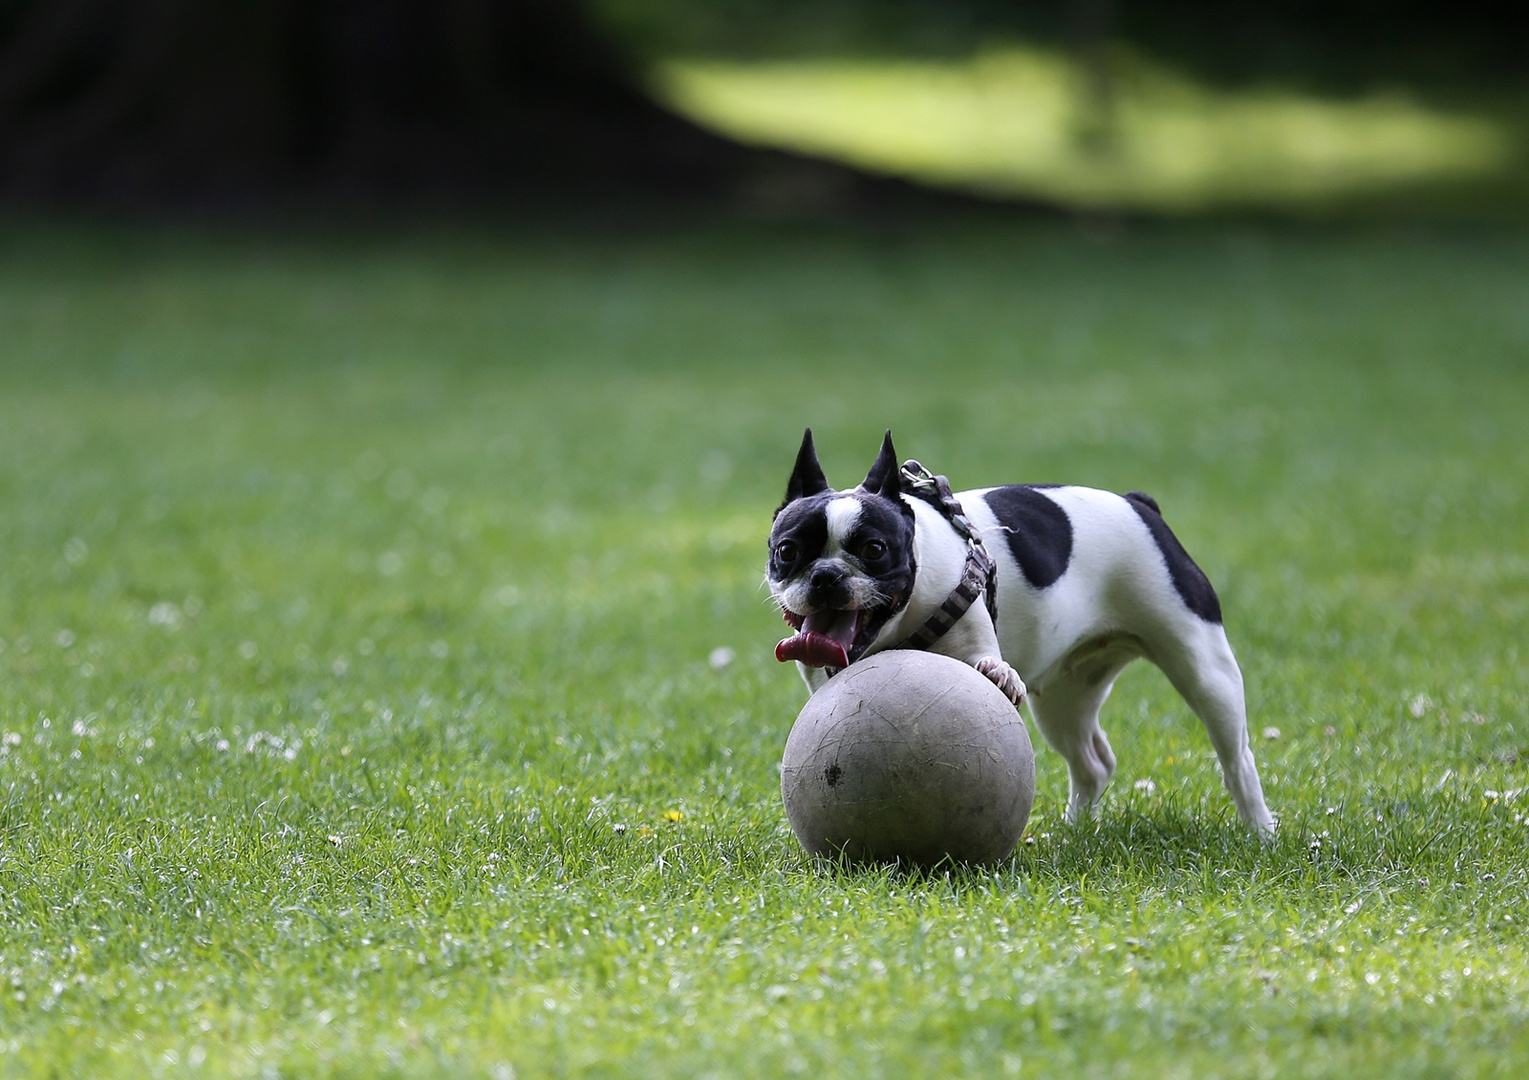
pixel 1004 677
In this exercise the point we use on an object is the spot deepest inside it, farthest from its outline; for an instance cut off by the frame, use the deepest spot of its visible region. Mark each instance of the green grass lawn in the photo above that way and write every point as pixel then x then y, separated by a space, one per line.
pixel 356 599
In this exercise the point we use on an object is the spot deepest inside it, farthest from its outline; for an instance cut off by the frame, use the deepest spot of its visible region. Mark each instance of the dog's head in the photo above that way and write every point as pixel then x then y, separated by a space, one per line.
pixel 841 562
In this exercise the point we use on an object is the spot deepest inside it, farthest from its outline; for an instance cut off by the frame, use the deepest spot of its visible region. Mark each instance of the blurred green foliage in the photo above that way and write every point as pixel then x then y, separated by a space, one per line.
pixel 1019 122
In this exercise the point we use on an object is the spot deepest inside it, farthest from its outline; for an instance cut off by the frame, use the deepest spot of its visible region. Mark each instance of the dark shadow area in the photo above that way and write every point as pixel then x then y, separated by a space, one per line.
pixel 221 106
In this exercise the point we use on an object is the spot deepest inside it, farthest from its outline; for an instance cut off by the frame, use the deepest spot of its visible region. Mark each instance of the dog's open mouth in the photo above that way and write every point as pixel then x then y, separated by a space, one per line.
pixel 825 638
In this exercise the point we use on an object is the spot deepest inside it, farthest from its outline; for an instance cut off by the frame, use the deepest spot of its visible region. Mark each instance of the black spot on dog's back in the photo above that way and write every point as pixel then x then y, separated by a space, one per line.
pixel 1038 531
pixel 1189 580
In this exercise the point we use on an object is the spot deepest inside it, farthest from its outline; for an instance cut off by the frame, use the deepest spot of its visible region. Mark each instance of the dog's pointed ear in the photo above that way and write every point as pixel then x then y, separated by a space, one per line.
pixel 807 478
pixel 885 478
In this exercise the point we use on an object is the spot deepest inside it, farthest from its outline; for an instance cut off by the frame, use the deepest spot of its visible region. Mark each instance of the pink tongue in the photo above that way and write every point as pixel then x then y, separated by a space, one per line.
pixel 823 641
pixel 814 650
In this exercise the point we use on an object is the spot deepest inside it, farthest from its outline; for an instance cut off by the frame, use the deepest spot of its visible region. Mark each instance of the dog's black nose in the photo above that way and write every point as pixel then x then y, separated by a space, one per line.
pixel 828 587
pixel 826 577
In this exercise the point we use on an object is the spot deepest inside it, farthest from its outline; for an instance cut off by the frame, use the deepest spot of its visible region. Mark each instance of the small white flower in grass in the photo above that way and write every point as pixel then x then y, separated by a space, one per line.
pixel 75 550
pixel 1419 705
pixel 720 657
pixel 439 649
pixel 65 638
pixel 1271 733
pixel 1145 786
pixel 335 840
pixel 249 650
pixel 1371 977
pixel 389 563
pixel 165 614
pixel 366 646
pixel 776 992
pixel 340 666
pixel 434 500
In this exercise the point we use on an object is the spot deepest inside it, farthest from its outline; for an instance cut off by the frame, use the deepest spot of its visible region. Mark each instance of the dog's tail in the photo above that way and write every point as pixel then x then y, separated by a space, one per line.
pixel 1145 499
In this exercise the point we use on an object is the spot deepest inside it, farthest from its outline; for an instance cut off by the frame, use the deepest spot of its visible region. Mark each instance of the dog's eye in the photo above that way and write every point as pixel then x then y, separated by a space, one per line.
pixel 873 549
pixel 786 551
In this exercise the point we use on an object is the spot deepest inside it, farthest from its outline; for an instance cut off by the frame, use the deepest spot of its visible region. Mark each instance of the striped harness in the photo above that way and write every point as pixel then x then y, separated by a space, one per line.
pixel 978 578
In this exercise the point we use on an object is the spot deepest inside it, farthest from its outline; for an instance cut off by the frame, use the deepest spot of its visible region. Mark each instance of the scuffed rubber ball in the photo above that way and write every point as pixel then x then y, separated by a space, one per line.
pixel 911 756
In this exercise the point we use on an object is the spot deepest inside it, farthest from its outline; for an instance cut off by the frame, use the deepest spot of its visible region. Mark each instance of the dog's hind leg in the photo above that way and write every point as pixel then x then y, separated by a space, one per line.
pixel 1066 706
pixel 1201 667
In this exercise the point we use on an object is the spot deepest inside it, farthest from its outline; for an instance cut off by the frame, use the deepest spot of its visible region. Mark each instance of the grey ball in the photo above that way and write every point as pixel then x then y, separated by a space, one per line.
pixel 912 756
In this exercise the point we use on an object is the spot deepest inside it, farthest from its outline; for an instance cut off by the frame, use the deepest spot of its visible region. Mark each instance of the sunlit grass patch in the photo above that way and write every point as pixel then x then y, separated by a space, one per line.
pixel 1022 122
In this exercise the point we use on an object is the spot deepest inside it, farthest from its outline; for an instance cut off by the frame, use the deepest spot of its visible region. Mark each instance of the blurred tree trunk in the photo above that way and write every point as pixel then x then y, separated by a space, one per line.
pixel 233 102
pixel 1090 23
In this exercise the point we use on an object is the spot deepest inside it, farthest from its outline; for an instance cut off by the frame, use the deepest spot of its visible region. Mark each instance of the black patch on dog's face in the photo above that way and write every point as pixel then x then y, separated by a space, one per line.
pixel 799 536
pixel 1038 531
pixel 882 543
pixel 1193 587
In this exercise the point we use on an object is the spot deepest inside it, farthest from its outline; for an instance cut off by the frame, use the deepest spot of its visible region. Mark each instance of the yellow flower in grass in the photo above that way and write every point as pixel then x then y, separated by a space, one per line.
pixel 672 815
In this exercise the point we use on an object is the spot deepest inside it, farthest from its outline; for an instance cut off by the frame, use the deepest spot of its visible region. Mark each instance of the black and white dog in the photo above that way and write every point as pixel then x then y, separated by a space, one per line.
pixel 1086 582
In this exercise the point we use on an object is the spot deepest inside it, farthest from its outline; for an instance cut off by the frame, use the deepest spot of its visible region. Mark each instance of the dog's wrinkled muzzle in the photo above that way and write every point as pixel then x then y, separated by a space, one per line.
pixel 823 639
